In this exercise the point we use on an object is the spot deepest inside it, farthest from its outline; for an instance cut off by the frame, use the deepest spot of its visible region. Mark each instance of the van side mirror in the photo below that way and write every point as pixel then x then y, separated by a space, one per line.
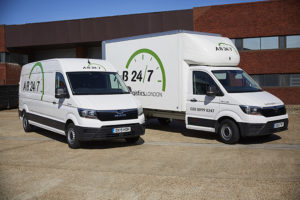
pixel 61 93
pixel 211 90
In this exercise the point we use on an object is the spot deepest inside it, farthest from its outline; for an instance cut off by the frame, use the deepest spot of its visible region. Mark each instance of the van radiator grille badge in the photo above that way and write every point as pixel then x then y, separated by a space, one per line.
pixel 273 111
pixel 111 115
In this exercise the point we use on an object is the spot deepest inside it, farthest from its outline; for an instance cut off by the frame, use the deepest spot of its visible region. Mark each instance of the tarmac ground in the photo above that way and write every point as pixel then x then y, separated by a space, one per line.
pixel 170 162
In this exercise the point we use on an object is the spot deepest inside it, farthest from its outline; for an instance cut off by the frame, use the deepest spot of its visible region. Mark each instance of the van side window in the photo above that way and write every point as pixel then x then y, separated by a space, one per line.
pixel 59 81
pixel 200 82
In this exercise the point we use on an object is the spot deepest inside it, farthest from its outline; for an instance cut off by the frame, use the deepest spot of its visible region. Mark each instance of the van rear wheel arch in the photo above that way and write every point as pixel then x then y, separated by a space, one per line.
pixel 26 125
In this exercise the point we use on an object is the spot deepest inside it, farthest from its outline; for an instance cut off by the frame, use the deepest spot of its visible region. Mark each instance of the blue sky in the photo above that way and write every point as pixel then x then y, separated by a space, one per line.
pixel 31 11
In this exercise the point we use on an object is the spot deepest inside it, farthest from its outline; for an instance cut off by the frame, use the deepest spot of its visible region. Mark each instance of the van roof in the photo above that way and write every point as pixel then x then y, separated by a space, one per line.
pixel 72 64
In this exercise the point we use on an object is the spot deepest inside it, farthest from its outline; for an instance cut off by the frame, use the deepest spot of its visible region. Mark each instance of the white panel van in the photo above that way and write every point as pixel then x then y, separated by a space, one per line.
pixel 84 99
pixel 195 77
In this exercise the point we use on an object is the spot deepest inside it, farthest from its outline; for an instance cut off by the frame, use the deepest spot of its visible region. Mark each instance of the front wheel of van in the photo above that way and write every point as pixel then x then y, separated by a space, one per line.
pixel 72 137
pixel 27 127
pixel 229 132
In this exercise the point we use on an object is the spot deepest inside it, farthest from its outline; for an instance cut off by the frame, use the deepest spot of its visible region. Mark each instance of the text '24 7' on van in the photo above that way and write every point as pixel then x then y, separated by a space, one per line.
pixel 80 98
pixel 194 77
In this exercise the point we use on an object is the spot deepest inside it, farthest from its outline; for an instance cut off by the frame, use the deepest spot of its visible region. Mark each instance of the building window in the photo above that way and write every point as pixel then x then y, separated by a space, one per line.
pixel 271 80
pixel 251 43
pixel 233 41
pixel 277 80
pixel 269 43
pixel 293 41
pixel 94 52
pixel 282 42
pixel 21 59
pixel 273 42
pixel 239 44
pixel 294 80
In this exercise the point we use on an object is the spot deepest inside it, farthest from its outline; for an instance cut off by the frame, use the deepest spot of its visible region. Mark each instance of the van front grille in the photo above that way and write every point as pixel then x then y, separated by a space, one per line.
pixel 112 115
pixel 273 111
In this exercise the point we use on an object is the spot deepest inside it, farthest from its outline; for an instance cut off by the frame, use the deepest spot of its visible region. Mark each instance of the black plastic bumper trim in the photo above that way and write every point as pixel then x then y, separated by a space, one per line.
pixel 46 121
pixel 201 122
pixel 106 132
pixel 258 129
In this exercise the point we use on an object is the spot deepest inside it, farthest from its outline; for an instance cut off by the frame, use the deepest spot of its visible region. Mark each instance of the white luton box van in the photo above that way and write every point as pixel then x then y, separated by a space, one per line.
pixel 80 98
pixel 194 77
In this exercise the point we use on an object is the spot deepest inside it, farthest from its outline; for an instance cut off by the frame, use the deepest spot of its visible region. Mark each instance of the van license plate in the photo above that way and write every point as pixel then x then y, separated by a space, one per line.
pixel 122 130
pixel 279 125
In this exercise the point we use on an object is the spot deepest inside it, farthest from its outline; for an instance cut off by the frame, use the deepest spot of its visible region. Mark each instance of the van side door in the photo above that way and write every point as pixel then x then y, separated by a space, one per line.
pixel 201 105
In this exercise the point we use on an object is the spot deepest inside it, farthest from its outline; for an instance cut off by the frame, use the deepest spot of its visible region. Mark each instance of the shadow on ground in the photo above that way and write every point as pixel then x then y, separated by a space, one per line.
pixel 103 144
pixel 260 139
pixel 178 127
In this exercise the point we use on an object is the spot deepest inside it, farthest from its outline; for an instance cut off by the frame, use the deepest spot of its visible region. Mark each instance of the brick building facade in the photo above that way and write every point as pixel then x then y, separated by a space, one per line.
pixel 277 68
pixel 253 20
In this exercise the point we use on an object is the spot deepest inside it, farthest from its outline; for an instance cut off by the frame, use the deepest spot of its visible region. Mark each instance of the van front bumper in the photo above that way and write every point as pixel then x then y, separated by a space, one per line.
pixel 257 129
pixel 106 132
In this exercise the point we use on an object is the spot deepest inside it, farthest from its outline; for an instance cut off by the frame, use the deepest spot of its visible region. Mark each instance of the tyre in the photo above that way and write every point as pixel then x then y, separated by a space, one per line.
pixel 229 132
pixel 26 126
pixel 72 137
pixel 164 121
pixel 132 140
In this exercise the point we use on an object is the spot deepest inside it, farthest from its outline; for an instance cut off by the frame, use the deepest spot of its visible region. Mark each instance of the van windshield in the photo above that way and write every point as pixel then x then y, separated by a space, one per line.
pixel 96 83
pixel 236 81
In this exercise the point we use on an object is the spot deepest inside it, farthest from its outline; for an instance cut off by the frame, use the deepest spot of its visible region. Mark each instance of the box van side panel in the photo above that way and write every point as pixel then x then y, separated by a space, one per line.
pixel 144 65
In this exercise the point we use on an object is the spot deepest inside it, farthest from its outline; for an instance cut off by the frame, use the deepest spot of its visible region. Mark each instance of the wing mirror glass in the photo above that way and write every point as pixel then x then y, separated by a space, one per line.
pixel 211 90
pixel 61 93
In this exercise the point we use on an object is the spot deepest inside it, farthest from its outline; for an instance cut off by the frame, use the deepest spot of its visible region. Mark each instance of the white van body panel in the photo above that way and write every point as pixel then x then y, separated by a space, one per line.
pixel 159 68
pixel 257 98
pixel 114 102
pixel 37 98
pixel 166 89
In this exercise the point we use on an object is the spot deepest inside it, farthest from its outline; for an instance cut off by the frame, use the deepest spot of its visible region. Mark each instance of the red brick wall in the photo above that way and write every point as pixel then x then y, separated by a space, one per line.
pixel 9 74
pixel 269 18
pixel 2 74
pixel 250 19
pixel 2 39
pixel 271 61
pixel 290 95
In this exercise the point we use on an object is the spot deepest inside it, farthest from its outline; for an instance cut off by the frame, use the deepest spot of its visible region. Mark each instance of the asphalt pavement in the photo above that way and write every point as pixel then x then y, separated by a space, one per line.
pixel 170 162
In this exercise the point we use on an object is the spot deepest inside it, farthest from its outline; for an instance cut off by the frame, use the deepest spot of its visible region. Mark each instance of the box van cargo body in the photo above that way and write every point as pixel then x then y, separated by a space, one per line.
pixel 194 77
pixel 80 98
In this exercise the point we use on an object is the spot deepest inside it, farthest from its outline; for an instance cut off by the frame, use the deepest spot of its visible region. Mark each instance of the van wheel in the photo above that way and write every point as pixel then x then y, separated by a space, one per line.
pixel 132 140
pixel 26 126
pixel 229 132
pixel 72 137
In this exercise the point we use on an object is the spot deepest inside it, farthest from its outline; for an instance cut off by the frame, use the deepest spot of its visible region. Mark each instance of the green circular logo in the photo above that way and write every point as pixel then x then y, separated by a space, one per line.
pixel 145 67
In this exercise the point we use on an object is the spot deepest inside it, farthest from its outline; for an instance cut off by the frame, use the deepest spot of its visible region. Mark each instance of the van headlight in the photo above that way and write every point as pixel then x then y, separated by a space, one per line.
pixel 92 114
pixel 140 111
pixel 251 110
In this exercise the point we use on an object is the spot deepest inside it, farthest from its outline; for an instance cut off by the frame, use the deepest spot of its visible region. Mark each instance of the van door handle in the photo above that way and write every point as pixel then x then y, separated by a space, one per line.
pixel 54 102
pixel 193 100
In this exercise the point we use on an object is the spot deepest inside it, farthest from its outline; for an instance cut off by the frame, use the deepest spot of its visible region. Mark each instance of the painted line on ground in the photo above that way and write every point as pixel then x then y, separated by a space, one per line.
pixel 191 144
pixel 237 146
pixel 25 138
